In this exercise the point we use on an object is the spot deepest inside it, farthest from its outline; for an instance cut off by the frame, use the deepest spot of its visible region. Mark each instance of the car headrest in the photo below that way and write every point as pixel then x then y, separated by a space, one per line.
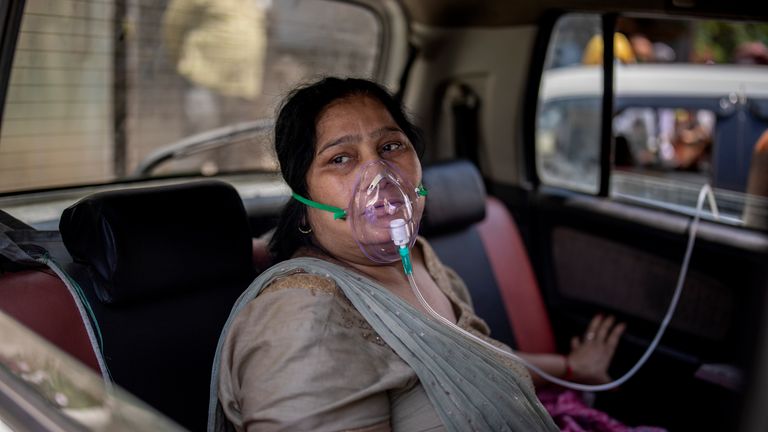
pixel 456 197
pixel 144 243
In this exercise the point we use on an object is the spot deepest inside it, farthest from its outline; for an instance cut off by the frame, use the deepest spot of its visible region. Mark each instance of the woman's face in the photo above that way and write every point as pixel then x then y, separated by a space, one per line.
pixel 350 133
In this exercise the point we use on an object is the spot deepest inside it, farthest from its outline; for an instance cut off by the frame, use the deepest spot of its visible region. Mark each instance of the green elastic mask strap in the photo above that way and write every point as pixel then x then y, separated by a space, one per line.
pixel 337 212
pixel 421 190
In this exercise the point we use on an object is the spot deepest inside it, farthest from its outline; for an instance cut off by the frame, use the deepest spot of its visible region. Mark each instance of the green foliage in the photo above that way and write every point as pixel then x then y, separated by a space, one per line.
pixel 720 39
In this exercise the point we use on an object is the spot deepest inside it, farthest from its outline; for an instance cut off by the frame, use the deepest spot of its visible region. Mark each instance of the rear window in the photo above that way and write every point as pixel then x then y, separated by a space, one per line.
pixel 690 99
pixel 99 88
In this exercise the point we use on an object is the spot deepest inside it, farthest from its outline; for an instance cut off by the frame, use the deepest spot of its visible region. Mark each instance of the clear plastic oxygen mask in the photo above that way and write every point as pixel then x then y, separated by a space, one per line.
pixel 381 195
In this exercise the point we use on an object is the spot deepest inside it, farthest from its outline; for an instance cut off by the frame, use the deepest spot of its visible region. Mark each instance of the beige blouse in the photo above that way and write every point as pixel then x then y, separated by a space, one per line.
pixel 301 357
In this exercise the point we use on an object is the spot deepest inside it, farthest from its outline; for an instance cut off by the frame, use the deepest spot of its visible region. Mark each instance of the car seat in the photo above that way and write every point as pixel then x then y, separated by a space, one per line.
pixel 476 236
pixel 161 268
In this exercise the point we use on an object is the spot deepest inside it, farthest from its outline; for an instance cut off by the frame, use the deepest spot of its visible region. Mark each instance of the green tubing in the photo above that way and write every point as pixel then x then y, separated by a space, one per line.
pixel 405 256
pixel 337 212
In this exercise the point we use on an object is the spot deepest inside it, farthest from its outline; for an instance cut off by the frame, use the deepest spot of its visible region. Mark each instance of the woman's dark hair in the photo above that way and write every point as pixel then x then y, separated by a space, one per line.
pixel 295 146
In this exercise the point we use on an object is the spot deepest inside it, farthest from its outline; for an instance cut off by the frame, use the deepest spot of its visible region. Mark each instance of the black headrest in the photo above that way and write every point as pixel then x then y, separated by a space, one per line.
pixel 144 243
pixel 456 197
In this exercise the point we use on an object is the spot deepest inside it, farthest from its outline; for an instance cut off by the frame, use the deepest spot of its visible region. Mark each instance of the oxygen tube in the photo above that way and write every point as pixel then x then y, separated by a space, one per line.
pixel 400 237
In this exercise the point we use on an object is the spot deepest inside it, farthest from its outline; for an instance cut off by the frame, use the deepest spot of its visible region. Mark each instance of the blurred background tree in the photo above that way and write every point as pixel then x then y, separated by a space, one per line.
pixel 723 42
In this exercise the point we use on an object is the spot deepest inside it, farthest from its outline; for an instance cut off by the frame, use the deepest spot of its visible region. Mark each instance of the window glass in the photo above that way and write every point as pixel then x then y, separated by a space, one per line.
pixel 570 100
pixel 97 86
pixel 688 112
pixel 690 107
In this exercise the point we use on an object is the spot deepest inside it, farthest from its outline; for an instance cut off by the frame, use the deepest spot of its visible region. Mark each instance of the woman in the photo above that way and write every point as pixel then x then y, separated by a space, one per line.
pixel 333 340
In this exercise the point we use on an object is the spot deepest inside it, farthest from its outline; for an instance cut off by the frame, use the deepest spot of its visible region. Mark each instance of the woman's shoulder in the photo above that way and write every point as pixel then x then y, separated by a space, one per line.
pixel 296 312
pixel 313 284
pixel 294 274
pixel 301 340
pixel 295 297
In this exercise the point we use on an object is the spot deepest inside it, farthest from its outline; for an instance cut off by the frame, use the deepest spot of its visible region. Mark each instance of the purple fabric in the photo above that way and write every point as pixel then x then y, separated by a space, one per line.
pixel 571 414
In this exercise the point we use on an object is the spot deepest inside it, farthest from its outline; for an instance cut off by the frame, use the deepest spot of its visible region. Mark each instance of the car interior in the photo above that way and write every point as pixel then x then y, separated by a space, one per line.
pixel 151 264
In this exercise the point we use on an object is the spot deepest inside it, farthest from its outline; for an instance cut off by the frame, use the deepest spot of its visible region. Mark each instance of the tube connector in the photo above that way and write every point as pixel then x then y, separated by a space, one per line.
pixel 405 257
pixel 398 232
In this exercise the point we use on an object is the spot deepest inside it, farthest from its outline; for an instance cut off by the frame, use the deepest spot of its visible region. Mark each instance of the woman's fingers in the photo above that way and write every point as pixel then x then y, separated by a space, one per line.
pixel 604 328
pixel 591 355
pixel 613 341
pixel 613 338
pixel 591 333
pixel 601 329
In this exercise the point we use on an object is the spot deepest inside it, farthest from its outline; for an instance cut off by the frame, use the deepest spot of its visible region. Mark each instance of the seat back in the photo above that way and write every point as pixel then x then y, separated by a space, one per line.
pixel 40 300
pixel 35 296
pixel 477 237
pixel 161 268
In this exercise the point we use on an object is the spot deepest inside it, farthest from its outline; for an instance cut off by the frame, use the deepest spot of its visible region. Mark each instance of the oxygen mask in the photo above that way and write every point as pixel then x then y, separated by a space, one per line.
pixel 381 197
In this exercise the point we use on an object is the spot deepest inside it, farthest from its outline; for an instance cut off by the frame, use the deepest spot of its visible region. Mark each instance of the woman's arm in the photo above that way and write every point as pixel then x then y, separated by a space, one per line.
pixel 589 358
pixel 553 364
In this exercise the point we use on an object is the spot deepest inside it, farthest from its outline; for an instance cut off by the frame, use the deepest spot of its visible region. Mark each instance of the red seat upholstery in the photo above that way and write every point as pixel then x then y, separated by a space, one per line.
pixel 42 302
pixel 261 258
pixel 516 280
pixel 476 236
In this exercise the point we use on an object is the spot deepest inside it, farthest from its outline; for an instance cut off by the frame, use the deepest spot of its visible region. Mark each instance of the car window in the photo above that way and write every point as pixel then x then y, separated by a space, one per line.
pixel 99 87
pixel 688 109
pixel 568 122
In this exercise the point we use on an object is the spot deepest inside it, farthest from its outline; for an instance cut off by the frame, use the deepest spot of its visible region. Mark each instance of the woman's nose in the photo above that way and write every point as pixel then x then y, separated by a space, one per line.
pixel 385 184
pixel 369 151
pixel 369 158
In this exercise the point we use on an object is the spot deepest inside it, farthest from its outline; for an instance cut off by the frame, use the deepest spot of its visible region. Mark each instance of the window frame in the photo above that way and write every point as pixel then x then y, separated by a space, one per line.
pixel 393 43
pixel 609 103
pixel 11 13
pixel 535 74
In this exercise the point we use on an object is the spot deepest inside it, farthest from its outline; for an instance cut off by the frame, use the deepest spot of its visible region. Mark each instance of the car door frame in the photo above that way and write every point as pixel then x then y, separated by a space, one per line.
pixel 540 208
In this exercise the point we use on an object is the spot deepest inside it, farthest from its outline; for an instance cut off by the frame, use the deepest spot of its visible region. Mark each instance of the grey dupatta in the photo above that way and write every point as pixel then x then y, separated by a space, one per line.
pixel 468 386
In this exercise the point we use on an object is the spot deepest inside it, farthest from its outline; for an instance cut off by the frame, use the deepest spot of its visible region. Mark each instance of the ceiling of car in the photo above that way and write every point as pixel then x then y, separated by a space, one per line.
pixel 509 12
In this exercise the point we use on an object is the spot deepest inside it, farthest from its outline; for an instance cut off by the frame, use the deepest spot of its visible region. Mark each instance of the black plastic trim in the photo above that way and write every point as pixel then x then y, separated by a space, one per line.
pixel 413 54
pixel 606 126
pixel 10 14
pixel 531 96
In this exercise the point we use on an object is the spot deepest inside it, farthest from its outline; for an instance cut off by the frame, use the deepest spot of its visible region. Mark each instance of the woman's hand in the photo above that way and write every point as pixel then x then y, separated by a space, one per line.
pixel 591 355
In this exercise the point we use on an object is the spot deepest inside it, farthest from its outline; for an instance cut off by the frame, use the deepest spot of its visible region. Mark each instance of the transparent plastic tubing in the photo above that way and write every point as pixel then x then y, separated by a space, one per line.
pixel 706 191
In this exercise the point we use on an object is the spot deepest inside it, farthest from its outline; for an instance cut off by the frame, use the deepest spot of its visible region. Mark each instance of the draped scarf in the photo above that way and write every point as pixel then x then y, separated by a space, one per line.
pixel 468 385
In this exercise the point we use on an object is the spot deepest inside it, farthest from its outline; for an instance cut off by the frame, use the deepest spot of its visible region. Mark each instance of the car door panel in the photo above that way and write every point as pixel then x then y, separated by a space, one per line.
pixel 594 255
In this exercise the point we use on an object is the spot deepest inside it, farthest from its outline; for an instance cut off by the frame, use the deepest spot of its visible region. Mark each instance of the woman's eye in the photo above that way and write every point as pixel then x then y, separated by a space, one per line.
pixel 388 147
pixel 338 160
